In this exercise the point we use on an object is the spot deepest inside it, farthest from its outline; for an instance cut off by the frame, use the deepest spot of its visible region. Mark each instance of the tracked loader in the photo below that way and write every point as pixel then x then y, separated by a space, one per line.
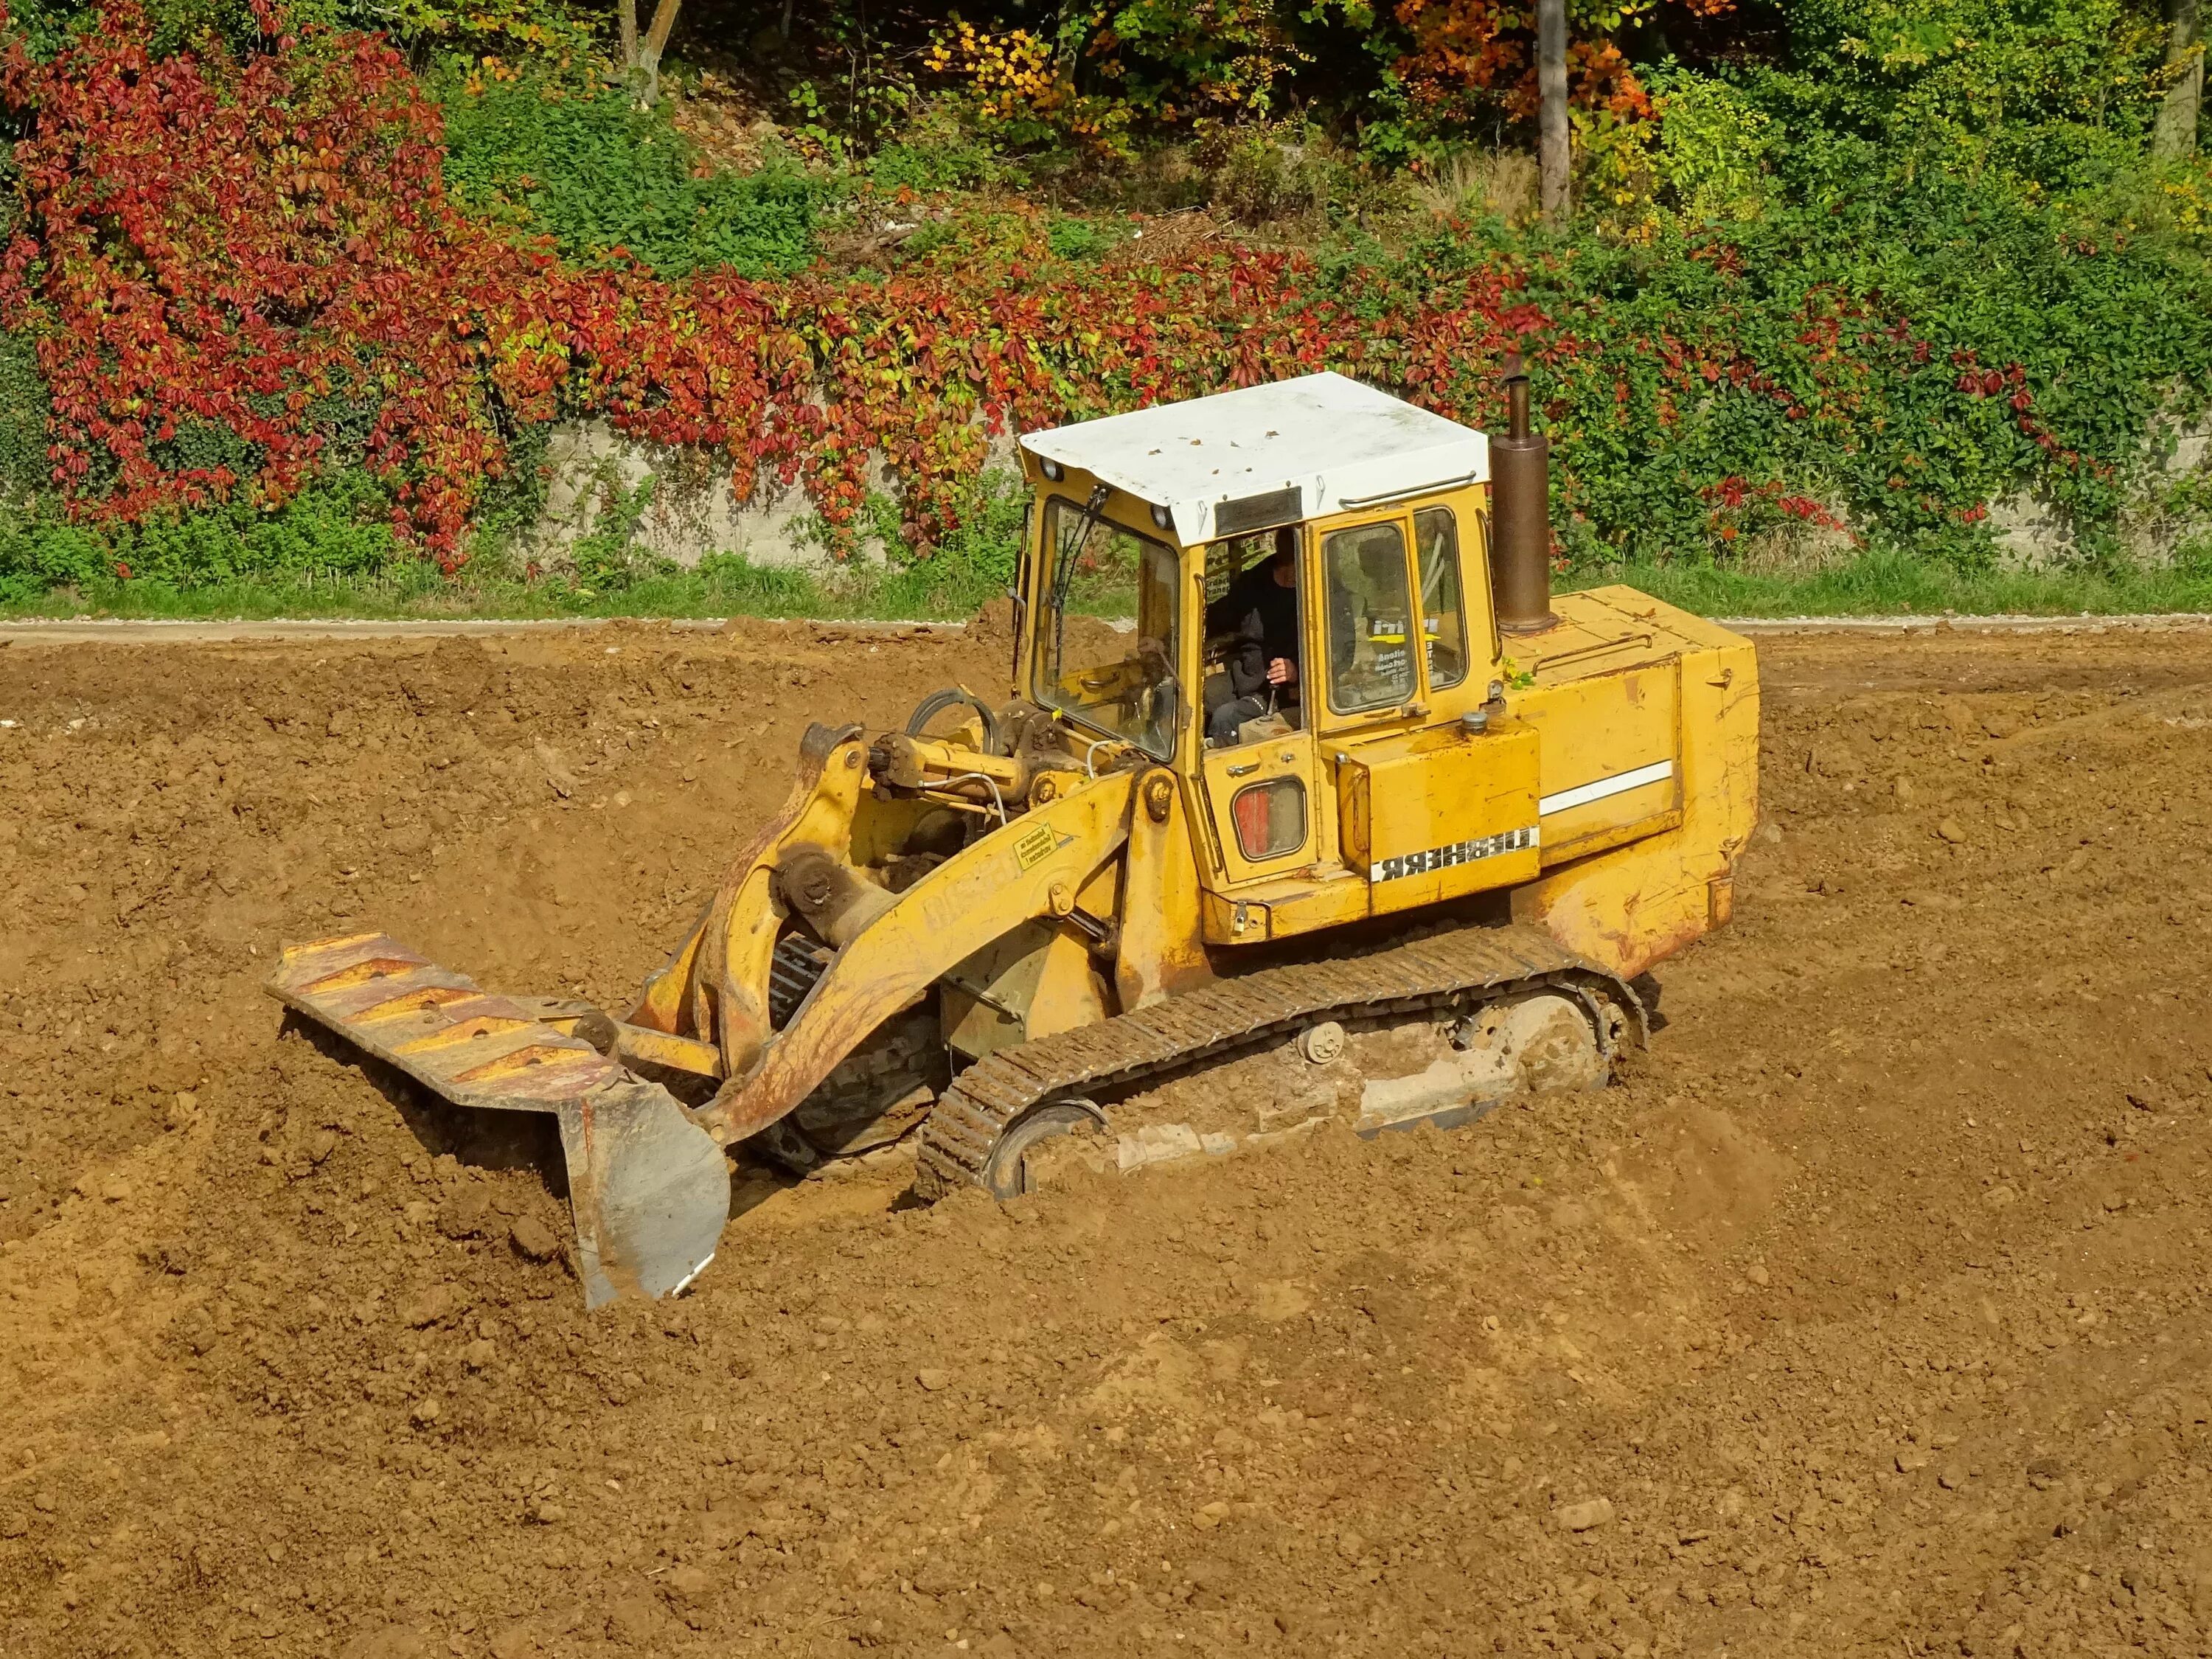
pixel 1311 803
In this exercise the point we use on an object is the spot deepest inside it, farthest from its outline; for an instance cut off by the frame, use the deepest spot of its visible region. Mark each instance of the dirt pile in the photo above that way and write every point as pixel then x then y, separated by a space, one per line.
pixel 1870 1313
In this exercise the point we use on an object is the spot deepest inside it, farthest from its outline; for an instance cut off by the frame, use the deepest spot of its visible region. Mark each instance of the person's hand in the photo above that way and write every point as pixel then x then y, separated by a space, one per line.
pixel 1282 671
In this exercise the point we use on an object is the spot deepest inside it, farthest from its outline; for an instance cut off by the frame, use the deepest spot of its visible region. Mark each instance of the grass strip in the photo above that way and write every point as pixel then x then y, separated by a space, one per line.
pixel 1874 585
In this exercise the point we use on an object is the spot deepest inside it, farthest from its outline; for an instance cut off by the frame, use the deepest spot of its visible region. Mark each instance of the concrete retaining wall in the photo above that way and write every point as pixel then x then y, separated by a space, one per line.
pixel 694 512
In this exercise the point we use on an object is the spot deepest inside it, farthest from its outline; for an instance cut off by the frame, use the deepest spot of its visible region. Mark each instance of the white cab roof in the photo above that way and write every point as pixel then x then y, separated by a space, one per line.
pixel 1339 444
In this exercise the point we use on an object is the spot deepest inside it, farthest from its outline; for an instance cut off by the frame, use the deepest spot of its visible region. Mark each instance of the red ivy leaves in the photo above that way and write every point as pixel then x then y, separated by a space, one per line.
pixel 265 248
pixel 255 247
pixel 247 246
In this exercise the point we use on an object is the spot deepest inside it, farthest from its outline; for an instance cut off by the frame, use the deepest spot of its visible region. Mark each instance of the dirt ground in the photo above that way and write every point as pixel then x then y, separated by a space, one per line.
pixel 1869 1315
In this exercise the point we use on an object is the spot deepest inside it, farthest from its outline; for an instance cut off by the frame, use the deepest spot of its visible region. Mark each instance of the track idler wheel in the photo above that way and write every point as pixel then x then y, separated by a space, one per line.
pixel 1007 1173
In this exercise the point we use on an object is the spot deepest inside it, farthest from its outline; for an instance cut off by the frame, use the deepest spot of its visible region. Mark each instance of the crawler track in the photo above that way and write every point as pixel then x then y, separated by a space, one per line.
pixel 1231 1016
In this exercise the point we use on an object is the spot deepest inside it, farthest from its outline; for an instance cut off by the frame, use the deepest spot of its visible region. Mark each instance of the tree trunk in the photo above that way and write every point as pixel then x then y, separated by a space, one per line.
pixel 2174 135
pixel 656 42
pixel 642 59
pixel 1551 90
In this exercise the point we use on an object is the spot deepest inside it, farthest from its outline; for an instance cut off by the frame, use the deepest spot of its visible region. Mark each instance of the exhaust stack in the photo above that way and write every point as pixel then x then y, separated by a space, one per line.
pixel 1520 515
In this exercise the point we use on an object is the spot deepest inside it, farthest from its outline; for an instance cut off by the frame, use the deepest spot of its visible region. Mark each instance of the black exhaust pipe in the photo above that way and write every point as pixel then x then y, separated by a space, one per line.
pixel 1520 515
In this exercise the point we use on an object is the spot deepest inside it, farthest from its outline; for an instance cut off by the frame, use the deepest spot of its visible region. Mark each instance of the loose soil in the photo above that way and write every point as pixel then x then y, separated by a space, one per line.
pixel 1869 1314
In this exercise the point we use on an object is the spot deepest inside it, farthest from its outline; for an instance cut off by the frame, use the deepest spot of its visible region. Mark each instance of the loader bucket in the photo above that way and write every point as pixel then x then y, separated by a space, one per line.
pixel 649 1189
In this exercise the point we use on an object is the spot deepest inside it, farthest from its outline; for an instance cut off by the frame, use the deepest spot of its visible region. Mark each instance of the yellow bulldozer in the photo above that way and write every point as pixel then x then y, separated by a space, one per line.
pixel 1311 804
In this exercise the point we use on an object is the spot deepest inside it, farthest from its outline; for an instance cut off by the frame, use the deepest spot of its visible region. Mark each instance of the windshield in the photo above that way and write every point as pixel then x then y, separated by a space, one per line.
pixel 1097 579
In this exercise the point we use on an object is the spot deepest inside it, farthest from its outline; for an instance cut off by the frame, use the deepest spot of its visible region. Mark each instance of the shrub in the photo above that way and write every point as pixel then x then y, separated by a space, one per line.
pixel 560 156
pixel 39 552
pixel 1471 57
pixel 1715 147
pixel 339 526
pixel 607 557
pixel 2058 92
pixel 1078 239
pixel 935 156
pixel 24 407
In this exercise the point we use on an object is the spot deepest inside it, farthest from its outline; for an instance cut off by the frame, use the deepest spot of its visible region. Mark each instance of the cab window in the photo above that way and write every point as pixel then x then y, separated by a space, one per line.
pixel 1444 617
pixel 1230 558
pixel 1370 608
pixel 1120 684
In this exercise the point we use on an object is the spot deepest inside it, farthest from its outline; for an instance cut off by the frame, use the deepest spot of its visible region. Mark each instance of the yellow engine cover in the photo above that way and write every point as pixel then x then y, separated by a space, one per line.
pixel 1440 822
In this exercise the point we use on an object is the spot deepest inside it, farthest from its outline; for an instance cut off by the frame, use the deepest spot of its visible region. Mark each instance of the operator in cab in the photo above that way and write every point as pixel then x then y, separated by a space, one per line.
pixel 1258 620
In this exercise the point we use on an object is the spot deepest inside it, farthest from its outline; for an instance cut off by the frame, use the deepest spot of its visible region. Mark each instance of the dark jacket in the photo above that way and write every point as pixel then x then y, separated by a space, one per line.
pixel 1260 617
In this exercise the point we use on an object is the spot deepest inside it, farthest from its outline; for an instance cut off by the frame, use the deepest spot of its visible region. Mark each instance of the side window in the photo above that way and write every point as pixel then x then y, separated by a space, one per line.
pixel 1443 617
pixel 1270 818
pixel 1370 659
pixel 1228 559
pixel 1482 575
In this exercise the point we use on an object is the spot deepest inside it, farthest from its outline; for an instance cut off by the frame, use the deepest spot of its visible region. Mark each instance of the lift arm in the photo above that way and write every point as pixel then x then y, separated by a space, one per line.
pixel 1031 867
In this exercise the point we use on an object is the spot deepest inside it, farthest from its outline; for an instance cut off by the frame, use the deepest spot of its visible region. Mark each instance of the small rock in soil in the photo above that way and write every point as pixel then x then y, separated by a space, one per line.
pixel 634 1619
pixel 534 1238
pixel 1581 1517
pixel 689 1584
pixel 465 1214
pixel 431 1304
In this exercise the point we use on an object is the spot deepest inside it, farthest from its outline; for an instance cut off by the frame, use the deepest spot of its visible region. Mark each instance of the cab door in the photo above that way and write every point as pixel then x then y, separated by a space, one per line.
pixel 1367 663
pixel 1261 797
pixel 1260 794
pixel 1428 808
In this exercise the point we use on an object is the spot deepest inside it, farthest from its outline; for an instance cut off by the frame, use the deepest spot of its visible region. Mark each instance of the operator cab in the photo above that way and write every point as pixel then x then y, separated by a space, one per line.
pixel 1269 590
pixel 1372 623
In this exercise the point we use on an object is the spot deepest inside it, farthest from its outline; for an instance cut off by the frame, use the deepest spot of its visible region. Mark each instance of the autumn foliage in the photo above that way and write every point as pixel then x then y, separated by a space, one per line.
pixel 265 248
pixel 259 248
pixel 241 270
pixel 1464 46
